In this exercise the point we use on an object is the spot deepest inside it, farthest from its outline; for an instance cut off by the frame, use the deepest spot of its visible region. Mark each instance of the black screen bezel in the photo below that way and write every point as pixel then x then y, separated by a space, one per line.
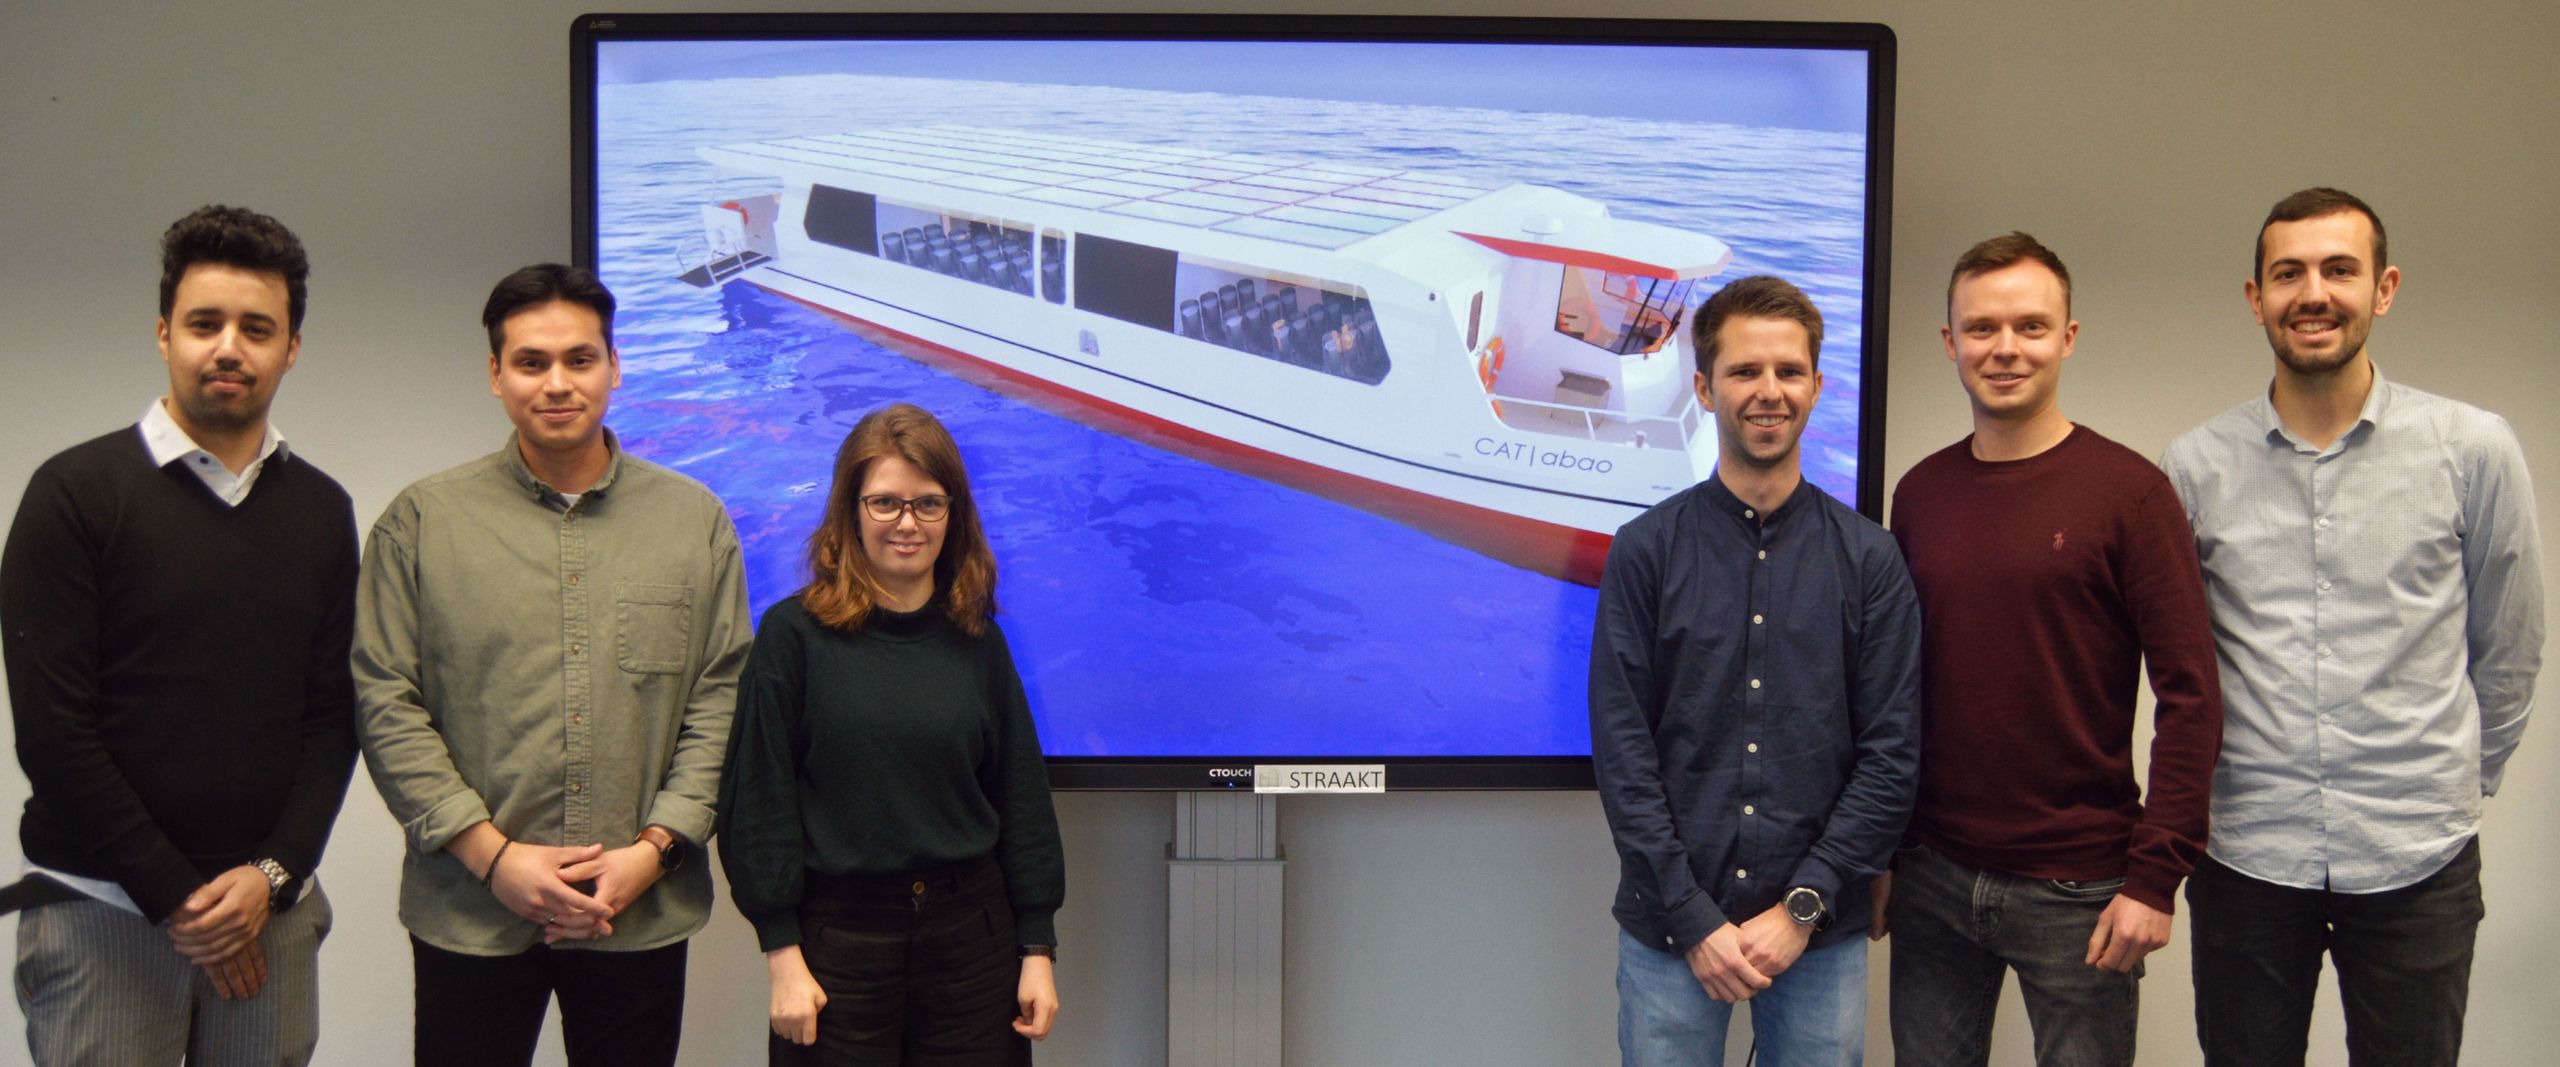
pixel 1875 40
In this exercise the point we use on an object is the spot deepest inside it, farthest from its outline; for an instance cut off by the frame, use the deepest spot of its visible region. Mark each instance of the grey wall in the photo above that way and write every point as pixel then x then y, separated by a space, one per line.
pixel 421 150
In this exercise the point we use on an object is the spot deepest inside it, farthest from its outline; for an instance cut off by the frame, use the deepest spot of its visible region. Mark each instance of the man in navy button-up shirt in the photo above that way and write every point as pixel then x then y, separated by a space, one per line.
pixel 1754 694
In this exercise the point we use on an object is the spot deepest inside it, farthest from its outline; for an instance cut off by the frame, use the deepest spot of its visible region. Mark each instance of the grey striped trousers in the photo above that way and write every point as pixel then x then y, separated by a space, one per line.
pixel 101 987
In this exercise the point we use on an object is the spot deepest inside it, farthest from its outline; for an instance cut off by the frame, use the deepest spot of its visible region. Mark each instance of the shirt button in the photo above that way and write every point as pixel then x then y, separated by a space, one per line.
pixel 1741 874
pixel 577 720
pixel 1752 747
pixel 2323 653
pixel 1750 514
pixel 917 889
pixel 1666 939
pixel 577 650
pixel 1755 620
pixel 573 579
pixel 2323 522
pixel 2324 585
pixel 1749 810
pixel 1755 683
pixel 1764 553
pixel 577 787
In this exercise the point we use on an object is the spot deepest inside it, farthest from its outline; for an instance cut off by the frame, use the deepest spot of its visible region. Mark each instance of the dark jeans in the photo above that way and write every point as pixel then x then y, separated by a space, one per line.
pixel 2403 955
pixel 617 1009
pixel 1957 931
pixel 919 969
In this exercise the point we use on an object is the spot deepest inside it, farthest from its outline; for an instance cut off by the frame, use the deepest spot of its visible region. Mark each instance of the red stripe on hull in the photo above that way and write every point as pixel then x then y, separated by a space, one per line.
pixel 1552 549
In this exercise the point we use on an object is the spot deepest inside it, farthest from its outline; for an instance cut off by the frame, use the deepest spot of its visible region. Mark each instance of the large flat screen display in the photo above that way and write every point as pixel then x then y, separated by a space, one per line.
pixel 1303 367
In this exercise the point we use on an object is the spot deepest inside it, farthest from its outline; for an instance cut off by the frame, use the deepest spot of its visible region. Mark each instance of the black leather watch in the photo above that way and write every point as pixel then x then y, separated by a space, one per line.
pixel 1804 905
pixel 670 847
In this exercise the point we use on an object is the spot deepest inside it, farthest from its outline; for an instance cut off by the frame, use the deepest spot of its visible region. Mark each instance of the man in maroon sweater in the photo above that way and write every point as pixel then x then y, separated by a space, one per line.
pixel 2051 564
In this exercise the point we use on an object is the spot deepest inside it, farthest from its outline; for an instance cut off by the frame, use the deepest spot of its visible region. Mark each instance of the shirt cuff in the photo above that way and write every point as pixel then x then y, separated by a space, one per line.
pixel 690 819
pixel 1692 921
pixel 431 832
pixel 1817 875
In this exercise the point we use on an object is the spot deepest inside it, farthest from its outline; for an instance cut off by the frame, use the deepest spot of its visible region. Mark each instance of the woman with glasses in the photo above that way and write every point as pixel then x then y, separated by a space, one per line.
pixel 885 815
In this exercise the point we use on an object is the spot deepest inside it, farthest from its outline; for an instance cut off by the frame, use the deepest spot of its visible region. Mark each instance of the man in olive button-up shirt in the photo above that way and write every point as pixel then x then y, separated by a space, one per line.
pixel 548 642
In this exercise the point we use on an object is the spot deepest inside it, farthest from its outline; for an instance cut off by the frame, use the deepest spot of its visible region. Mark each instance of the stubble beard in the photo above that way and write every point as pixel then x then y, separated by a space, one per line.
pixel 2351 338
pixel 211 414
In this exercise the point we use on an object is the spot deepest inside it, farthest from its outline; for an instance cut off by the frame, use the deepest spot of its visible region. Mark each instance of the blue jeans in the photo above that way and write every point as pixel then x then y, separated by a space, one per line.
pixel 1958 931
pixel 1813 1015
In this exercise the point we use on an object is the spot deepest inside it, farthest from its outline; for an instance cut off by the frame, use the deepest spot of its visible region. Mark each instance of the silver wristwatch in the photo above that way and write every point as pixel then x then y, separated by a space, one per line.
pixel 279 884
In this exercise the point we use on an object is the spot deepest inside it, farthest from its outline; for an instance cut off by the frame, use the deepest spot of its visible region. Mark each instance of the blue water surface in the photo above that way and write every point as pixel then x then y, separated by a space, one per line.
pixel 1159 605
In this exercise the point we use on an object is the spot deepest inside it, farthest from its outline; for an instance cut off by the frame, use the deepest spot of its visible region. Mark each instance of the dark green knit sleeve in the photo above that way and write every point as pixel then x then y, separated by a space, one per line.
pixel 1027 845
pixel 760 833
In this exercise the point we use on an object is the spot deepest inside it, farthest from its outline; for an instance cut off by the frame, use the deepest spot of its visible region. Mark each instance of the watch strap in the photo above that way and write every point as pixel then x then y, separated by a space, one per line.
pixel 279 884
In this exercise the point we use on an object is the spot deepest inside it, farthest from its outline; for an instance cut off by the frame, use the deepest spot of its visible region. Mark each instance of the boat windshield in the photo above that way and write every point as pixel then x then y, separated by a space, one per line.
pixel 1625 314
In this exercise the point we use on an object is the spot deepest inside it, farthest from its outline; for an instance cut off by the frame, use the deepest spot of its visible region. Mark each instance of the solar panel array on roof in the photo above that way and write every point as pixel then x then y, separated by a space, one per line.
pixel 1318 204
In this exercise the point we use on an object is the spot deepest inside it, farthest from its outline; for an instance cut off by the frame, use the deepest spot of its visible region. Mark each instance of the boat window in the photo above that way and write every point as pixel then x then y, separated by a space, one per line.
pixel 1320 325
pixel 988 251
pixel 1475 319
pixel 1127 281
pixel 843 218
pixel 1621 313
pixel 1053 267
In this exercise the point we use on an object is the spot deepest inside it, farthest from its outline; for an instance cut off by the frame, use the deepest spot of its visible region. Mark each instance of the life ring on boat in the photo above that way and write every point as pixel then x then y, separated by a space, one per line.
pixel 1489 370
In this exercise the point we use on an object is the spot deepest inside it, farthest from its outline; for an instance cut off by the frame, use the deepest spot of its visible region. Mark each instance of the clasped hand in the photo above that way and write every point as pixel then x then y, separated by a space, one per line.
pixel 1736 962
pixel 217 929
pixel 539 883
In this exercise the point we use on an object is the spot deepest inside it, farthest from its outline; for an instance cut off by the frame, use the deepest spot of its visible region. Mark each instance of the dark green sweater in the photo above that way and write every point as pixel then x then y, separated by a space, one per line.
pixel 903 747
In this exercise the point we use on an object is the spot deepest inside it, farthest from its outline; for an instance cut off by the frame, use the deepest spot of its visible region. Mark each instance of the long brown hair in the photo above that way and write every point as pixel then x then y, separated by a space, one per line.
pixel 842 589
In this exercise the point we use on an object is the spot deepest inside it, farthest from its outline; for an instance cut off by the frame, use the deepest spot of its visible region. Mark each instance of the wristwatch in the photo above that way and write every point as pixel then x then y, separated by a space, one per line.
pixel 670 847
pixel 1805 906
pixel 279 884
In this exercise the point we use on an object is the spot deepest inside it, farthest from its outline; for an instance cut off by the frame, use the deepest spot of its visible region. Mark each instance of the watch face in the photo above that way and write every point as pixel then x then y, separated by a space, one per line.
pixel 1804 905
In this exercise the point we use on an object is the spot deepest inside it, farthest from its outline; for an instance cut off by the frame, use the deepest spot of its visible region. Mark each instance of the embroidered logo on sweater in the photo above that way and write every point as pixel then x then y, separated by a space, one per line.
pixel 2057 540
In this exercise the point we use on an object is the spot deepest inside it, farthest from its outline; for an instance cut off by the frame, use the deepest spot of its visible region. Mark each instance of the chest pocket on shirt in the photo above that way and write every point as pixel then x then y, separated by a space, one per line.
pixel 652 626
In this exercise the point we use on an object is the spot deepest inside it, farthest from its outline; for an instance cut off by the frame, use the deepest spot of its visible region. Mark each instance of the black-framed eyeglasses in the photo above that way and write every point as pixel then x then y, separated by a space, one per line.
pixel 885 508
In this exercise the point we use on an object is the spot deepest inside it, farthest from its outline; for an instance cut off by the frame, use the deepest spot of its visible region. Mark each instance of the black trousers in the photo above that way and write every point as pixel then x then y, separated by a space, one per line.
pixel 617 1009
pixel 2403 956
pixel 920 970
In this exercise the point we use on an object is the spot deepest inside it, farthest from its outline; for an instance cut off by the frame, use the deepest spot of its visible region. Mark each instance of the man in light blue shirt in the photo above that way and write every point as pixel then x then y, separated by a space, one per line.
pixel 2373 569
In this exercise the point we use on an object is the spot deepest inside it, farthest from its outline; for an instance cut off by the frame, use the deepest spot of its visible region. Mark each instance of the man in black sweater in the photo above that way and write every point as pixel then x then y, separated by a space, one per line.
pixel 176 604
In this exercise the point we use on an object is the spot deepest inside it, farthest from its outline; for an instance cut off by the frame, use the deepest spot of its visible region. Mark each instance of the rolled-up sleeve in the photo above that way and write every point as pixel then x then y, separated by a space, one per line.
pixel 685 796
pixel 411 766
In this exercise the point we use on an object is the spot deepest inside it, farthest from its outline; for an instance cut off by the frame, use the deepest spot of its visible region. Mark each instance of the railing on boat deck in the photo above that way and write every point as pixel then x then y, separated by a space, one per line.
pixel 1600 424
pixel 714 263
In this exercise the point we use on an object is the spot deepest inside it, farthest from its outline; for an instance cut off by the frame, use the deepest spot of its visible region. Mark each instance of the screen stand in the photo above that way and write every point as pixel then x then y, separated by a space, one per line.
pixel 1222 930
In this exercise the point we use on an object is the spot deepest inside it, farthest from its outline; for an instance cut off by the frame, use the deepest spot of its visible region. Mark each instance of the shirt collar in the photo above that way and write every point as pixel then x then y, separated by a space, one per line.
pixel 540 491
pixel 1725 503
pixel 2377 399
pixel 168 442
